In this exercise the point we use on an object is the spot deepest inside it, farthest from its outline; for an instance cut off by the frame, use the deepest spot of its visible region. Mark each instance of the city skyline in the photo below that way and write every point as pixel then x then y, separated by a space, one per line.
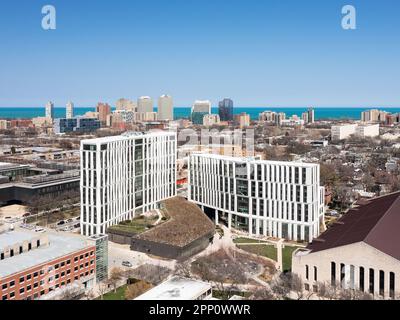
pixel 257 53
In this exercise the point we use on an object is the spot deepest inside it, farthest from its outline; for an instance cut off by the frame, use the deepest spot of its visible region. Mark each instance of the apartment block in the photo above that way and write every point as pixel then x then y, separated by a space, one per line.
pixel 124 176
pixel 261 198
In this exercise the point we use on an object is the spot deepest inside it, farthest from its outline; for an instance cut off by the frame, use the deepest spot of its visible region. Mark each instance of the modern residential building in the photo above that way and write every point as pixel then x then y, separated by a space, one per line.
pixel 242 120
pixel 69 111
pixel 311 115
pixel 124 176
pixel 145 104
pixel 49 110
pixel 199 110
pixel 125 105
pixel 374 115
pixel 78 124
pixel 279 118
pixel 293 121
pixel 121 119
pixel 268 198
pixel 103 110
pixel 165 108
pixel 371 130
pixel 225 110
pixel 359 251
pixel 39 122
pixel 35 264
pixel 341 132
pixel 145 116
pixel 211 119
pixel 4 124
pixel 179 288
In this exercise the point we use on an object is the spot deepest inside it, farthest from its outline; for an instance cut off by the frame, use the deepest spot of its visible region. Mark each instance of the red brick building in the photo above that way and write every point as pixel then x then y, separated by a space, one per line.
pixel 32 266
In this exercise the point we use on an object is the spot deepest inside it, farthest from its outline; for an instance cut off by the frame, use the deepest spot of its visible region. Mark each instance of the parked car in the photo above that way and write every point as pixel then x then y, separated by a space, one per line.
pixel 127 264
pixel 40 229
pixel 60 223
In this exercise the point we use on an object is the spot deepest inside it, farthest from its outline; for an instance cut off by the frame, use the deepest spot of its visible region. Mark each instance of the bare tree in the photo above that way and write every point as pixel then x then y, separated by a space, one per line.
pixel 103 289
pixel 182 269
pixel 115 276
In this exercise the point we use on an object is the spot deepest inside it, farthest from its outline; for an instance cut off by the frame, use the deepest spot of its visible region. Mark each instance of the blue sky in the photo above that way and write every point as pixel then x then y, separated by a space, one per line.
pixel 258 52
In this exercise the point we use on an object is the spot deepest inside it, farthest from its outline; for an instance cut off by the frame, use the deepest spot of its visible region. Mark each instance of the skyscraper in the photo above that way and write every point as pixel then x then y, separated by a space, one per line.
pixel 199 110
pixel 50 110
pixel 103 109
pixel 69 114
pixel 225 110
pixel 145 104
pixel 311 115
pixel 165 108
pixel 125 176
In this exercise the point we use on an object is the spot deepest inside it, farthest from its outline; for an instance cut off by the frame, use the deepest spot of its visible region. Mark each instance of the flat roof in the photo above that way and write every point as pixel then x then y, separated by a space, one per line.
pixel 176 288
pixel 253 160
pixel 59 246
pixel 10 238
pixel 128 136
pixel 6 165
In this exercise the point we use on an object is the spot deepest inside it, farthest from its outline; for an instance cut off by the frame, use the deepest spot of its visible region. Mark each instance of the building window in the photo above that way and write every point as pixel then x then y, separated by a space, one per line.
pixel 307 272
pixel 333 273
pixel 371 281
pixel 315 274
pixel 382 283
pixel 392 285
pixel 342 275
pixel 361 279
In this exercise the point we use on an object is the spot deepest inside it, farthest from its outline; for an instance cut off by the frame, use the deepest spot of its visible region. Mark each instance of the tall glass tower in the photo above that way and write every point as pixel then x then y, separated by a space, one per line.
pixel 225 110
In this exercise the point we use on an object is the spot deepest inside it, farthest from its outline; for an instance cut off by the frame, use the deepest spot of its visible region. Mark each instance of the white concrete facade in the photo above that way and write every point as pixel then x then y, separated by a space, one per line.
pixel 124 176
pixel 268 198
pixel 355 266
pixel 69 111
pixel 342 132
pixel 165 108
pixel 49 112
pixel 368 130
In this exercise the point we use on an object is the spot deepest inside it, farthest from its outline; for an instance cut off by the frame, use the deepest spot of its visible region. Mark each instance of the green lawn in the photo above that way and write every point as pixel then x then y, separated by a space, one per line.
pixel 134 226
pixel 247 240
pixel 287 257
pixel 270 252
pixel 119 295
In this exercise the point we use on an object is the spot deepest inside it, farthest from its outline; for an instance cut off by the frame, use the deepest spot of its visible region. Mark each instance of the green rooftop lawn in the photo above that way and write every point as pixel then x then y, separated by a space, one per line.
pixel 134 226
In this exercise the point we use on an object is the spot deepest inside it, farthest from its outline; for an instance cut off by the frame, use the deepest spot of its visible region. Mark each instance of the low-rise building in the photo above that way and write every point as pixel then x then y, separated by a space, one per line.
pixel 211 119
pixel 35 264
pixel 178 288
pixel 79 124
pixel 341 132
pixel 360 251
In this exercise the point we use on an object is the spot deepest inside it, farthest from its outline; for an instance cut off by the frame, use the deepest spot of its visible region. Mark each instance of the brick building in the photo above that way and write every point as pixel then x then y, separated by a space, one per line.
pixel 33 265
